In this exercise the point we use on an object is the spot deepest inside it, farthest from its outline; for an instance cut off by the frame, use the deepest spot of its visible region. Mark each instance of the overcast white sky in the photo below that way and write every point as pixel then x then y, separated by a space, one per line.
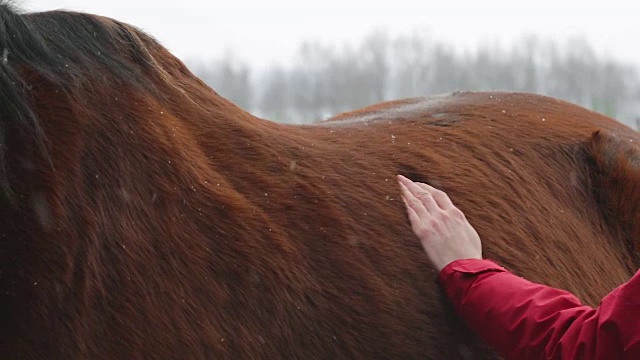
pixel 268 31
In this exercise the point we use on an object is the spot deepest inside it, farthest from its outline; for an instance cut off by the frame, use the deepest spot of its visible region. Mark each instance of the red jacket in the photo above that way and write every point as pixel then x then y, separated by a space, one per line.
pixel 524 320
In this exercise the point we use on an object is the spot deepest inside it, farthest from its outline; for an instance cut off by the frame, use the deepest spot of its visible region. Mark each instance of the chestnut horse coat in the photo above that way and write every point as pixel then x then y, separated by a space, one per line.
pixel 143 216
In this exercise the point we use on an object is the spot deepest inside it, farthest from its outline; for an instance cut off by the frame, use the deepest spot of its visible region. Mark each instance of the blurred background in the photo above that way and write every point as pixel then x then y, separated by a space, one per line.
pixel 303 61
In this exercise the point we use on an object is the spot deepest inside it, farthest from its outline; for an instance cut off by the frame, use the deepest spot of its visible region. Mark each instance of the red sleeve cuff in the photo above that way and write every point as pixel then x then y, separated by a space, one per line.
pixel 469 266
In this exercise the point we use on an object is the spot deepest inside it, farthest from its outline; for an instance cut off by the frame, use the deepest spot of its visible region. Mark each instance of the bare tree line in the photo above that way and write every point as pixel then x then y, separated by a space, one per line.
pixel 324 80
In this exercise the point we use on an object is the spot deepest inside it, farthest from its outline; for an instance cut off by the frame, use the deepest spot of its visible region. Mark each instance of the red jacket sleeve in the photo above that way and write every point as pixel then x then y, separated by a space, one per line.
pixel 524 320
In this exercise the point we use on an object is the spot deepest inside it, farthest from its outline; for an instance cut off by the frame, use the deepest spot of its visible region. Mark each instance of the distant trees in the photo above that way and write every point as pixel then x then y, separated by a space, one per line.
pixel 327 79
pixel 228 76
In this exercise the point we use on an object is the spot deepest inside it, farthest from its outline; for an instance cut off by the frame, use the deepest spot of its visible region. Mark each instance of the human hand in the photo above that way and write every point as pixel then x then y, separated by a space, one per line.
pixel 443 230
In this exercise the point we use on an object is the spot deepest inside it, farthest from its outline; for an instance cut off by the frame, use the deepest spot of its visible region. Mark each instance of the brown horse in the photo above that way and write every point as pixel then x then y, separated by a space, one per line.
pixel 144 216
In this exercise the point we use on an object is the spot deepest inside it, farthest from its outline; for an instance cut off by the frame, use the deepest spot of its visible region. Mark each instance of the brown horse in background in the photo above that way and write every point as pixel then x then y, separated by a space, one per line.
pixel 145 216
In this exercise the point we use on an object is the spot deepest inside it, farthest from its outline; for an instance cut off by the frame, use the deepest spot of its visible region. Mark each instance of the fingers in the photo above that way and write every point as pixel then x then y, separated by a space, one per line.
pixel 418 193
pixel 413 204
pixel 413 216
pixel 440 196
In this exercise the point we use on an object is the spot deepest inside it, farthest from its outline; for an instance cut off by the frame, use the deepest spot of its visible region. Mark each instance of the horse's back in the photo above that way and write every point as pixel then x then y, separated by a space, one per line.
pixel 155 219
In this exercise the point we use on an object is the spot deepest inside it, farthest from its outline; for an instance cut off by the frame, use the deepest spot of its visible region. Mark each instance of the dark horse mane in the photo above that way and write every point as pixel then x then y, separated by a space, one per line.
pixel 57 47
pixel 145 216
